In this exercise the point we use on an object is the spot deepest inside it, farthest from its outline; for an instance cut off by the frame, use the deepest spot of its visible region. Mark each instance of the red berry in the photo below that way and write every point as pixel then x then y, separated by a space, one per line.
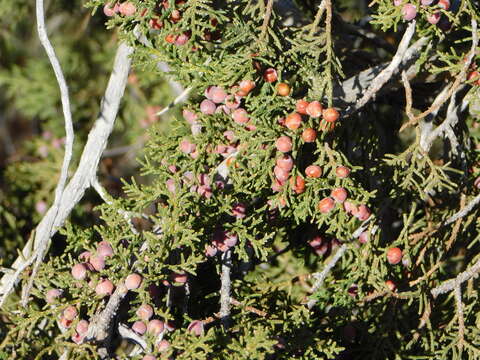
pixel 283 89
pixel 409 12
pixel 284 144
pixel 280 174
pixel 342 172
pixel 444 4
pixel 326 205
pixel 79 271
pixel 163 345
pixel 98 262
pixel 391 285
pixel 155 326
pixel 70 312
pixel 434 18
pixel 239 210
pixel 175 16
pixel 313 171
pixel 182 39
pixel 314 109
pixel 232 101
pixel 240 116
pixel 316 241
pixel 110 10
pixel 218 95
pixel 196 327
pixel 339 194
pixel 297 183
pixel 476 183
pixel 301 106
pixel 293 121
pixel 145 312
pixel 309 135
pixel 133 281
pixel 64 322
pixel 155 24
pixel 285 162
pixel 474 77
pixel 139 327
pixel 394 255
pixel 246 86
pixel 363 213
pixel 127 8
pixel 104 287
pixel 330 115
pixel 270 75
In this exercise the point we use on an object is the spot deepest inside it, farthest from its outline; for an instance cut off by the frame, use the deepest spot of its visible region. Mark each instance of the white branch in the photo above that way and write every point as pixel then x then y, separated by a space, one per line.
pixel 84 175
pixel 225 289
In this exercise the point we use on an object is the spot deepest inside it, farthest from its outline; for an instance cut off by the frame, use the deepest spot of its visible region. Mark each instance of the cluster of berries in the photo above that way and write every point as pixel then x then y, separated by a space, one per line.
pixel 409 11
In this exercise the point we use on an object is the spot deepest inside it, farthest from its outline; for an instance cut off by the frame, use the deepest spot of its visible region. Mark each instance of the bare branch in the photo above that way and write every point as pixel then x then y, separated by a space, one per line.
pixel 320 277
pixel 461 320
pixel 179 99
pixel 449 285
pixel 126 333
pixel 464 211
pixel 225 289
pixel 84 175
pixel 266 19
pixel 387 73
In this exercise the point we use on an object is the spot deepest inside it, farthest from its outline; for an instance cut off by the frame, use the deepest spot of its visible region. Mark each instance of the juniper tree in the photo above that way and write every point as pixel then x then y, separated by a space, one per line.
pixel 307 186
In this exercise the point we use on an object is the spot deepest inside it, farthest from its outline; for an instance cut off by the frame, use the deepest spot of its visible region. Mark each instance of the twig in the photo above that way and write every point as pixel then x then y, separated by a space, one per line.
pixel 43 238
pixel 461 320
pixel 225 289
pixel 248 308
pixel 408 102
pixel 318 16
pixel 463 212
pixel 126 333
pixel 387 73
pixel 85 173
pixel 320 277
pixel 266 19
pixel 180 98
pixel 449 285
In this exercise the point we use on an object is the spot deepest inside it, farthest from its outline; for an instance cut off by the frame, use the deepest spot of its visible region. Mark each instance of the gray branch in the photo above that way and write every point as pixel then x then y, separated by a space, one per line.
pixel 225 289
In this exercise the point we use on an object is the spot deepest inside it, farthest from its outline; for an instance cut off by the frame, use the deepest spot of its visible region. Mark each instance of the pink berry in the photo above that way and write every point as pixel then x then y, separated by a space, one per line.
pixel 397 2
pixel 77 338
pixel 163 346
pixel 316 241
pixel 339 195
pixel 280 173
pixel 170 183
pixel 210 251
pixel 239 210
pixel 229 135
pixel 155 326
pixel 70 312
pixel 285 162
pixel 232 101
pixel 98 262
pixel 127 8
pixel 342 172
pixel 65 322
pixel 104 287
pixel 139 327
pixel 41 207
pixel 284 144
pixel 190 116
pixel 208 107
pixel 230 239
pixel 52 295
pixel 363 213
pixel 110 10
pixel 104 249
pixel 223 109
pixel 133 281
pixel 82 327
pixel 187 147
pixel 277 185
pixel 326 205
pixel 240 116
pixel 182 39
pixel 409 12
pixel 79 271
pixel 364 236
pixel 434 18
pixel 394 255
pixel 196 327
pixel 149 357
pixel 444 4
pixel 218 95
pixel 180 278
pixel 145 312
pixel 85 256
pixel 427 2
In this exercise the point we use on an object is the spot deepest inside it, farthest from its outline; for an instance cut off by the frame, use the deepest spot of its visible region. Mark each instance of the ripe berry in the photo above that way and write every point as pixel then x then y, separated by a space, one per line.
pixel 170 183
pixel 182 39
pixel 444 4
pixel 301 106
pixel 316 241
pixel 104 287
pixel 149 357
pixel 163 345
pixel 326 205
pixel 309 135
pixel 70 312
pixel 210 251
pixel 79 271
pixel 270 75
pixel 397 2
pixel 427 2
pixel 139 327
pixel 364 236
pixel 476 183
pixel 339 194
pixel 82 327
pixel 239 210
pixel 330 115
pixel 133 281
pixel 313 171
pixel 98 262
pixel 285 162
pixel 145 312
pixel 297 183
pixel 280 174
pixel 391 285
pixel 277 185
pixel 409 12
pixel 474 76
pixel 314 109
pixel 52 295
pixel 155 24
pixel 342 172
pixel 196 327
pixel 127 8
pixel 394 255
pixel 110 10
pixel 434 18
pixel 363 213
pixel 64 322
pixel 284 144
pixel 187 147
pixel 230 239
pixel 218 95
pixel 155 326
pixel 240 116
pixel 175 16
pixel 232 101
pixel 293 121
pixel 180 278
pixel 246 86
pixel 208 107
pixel 104 249
pixel 283 89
